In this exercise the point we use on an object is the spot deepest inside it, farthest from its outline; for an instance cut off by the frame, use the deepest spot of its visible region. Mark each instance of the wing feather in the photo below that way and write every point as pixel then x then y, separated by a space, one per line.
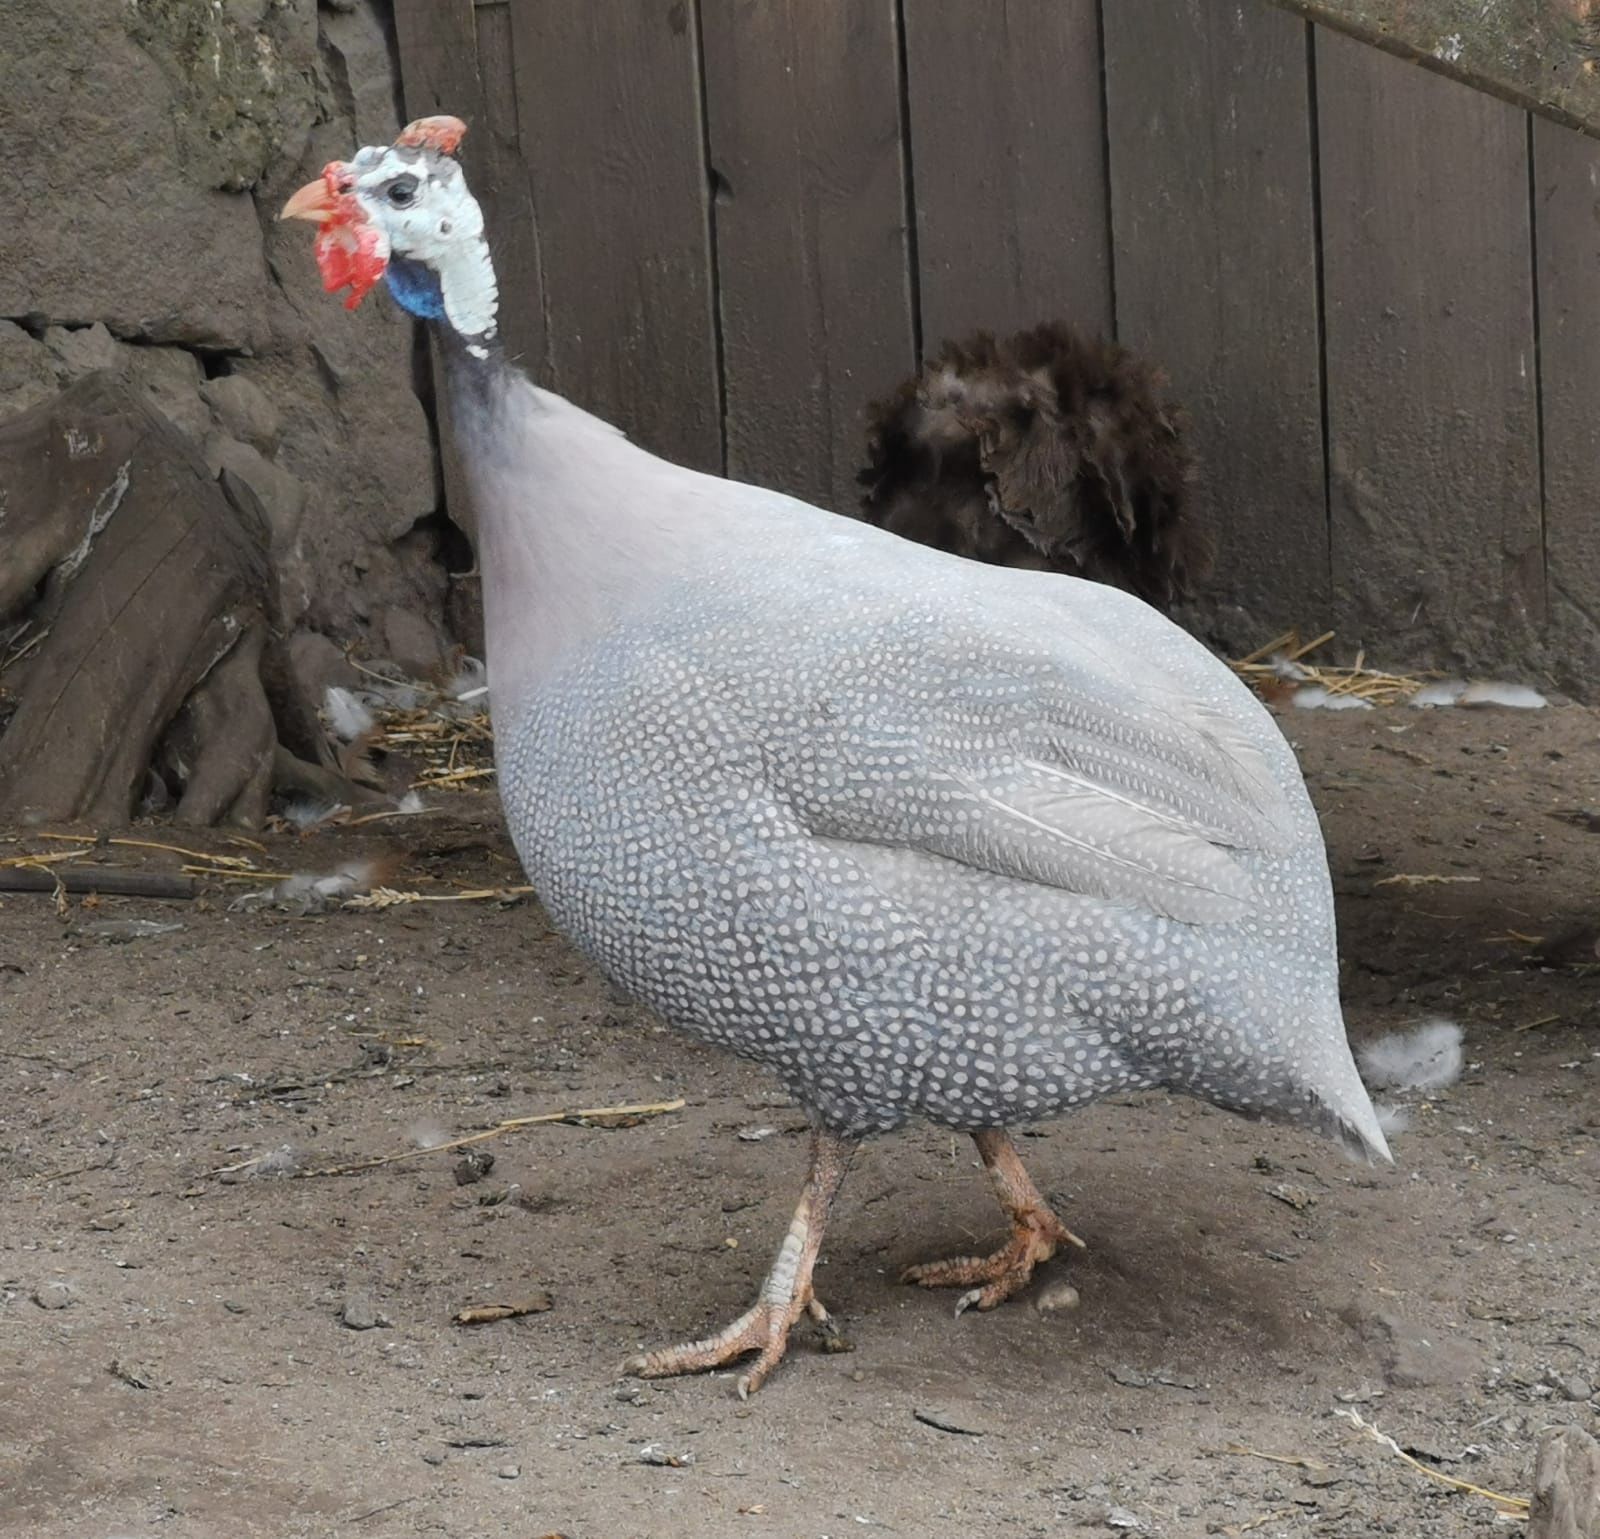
pixel 1107 782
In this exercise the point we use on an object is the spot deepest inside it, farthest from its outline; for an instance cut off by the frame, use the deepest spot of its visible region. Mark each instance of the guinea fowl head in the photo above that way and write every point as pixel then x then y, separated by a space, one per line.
pixel 403 212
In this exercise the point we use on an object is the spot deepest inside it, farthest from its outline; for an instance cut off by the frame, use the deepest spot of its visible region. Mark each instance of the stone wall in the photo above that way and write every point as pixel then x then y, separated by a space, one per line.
pixel 149 146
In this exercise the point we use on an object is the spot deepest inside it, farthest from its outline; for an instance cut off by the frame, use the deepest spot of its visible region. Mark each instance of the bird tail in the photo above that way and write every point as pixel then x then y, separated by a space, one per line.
pixel 1344 1110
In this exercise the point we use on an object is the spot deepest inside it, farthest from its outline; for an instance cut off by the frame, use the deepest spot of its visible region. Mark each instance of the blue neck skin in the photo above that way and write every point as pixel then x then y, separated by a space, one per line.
pixel 415 288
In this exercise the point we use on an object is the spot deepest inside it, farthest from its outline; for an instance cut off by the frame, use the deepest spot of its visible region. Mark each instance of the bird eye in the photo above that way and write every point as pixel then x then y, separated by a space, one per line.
pixel 402 192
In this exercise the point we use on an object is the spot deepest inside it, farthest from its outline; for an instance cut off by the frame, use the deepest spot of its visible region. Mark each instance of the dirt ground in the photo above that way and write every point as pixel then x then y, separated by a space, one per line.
pixel 178 1351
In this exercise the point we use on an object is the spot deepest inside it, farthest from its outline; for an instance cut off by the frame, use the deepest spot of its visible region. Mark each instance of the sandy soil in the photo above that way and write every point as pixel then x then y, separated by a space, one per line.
pixel 177 1351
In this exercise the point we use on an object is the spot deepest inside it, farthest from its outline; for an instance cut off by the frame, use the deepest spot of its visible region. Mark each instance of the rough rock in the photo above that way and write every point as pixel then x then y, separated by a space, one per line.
pixel 153 142
pixel 410 640
pixel 1414 1357
pixel 317 664
pixel 111 175
pixel 357 45
pixel 80 350
pixel 243 412
pixel 259 488
pixel 53 1295
pixel 282 498
pixel 27 372
pixel 171 379
pixel 359 1313
pixel 1566 1486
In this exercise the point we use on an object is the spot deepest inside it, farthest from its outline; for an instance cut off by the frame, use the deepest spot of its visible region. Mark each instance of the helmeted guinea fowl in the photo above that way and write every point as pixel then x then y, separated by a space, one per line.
pixel 927 837
pixel 1046 449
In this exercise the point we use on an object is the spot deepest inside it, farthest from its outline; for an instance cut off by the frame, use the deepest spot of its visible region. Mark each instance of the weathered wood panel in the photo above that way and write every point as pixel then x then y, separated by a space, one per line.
pixel 608 96
pixel 500 181
pixel 803 115
pixel 1566 202
pixel 1431 361
pixel 1534 53
pixel 438 41
pixel 1009 155
pixel 1215 248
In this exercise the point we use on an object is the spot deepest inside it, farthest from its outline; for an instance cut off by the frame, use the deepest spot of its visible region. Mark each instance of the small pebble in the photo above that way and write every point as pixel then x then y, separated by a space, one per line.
pixel 434 1456
pixel 360 1314
pixel 1576 1388
pixel 654 1453
pixel 56 1295
pixel 1057 1298
pixel 509 1471
pixel 474 1165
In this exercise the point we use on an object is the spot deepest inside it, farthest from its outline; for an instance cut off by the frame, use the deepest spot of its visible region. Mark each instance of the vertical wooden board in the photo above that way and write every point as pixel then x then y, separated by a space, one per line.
pixel 1566 204
pixel 502 188
pixel 1008 152
pixel 1214 221
pixel 438 44
pixel 1432 426
pixel 608 97
pixel 803 114
pixel 438 57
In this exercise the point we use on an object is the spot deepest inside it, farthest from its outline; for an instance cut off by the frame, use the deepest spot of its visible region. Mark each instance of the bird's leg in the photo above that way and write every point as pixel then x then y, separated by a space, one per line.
pixel 1035 1234
pixel 785 1295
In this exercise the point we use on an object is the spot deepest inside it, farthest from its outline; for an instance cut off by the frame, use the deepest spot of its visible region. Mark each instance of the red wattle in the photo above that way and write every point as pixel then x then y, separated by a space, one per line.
pixel 350 255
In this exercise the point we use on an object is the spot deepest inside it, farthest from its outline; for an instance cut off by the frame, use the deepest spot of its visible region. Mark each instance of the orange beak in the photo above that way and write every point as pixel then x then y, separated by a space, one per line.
pixel 315 201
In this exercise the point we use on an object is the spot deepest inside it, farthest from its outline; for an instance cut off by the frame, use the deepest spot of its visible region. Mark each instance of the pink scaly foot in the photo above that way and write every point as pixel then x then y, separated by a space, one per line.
pixel 1035 1234
pixel 785 1296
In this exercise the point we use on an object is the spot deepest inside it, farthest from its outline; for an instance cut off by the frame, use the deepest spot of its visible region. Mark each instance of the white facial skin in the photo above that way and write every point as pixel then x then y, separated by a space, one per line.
pixel 420 202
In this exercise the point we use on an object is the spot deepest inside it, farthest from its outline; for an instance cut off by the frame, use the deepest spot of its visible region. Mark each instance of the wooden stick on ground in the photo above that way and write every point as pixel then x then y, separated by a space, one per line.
pixel 112 884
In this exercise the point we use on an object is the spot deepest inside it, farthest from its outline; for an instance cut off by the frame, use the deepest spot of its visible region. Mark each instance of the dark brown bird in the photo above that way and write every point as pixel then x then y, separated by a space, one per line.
pixel 1049 450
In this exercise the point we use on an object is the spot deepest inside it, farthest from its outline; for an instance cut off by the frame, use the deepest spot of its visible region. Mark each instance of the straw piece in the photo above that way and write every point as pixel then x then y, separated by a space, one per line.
pixel 592 1116
pixel 1261 670
pixel 1515 1505
pixel 388 897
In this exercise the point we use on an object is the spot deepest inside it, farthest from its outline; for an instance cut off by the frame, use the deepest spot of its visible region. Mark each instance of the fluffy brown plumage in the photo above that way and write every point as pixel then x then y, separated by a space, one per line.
pixel 1047 449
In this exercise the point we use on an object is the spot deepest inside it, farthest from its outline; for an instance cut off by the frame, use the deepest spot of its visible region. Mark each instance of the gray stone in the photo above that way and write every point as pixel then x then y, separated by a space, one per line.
pixel 1056 1298
pixel 53 1295
pixel 113 214
pixel 240 79
pixel 170 378
pixel 80 350
pixel 359 1313
pixel 1566 1486
pixel 27 371
pixel 281 496
pixel 1412 1356
pixel 356 43
pixel 315 663
pixel 411 639
pixel 243 412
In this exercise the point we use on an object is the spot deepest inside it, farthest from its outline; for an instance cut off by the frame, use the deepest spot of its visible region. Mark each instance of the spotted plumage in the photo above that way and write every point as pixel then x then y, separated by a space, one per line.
pixel 928 838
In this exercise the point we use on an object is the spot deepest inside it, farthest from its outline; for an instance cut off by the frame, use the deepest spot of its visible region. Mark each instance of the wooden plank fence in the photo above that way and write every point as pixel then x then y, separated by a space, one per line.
pixel 729 224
